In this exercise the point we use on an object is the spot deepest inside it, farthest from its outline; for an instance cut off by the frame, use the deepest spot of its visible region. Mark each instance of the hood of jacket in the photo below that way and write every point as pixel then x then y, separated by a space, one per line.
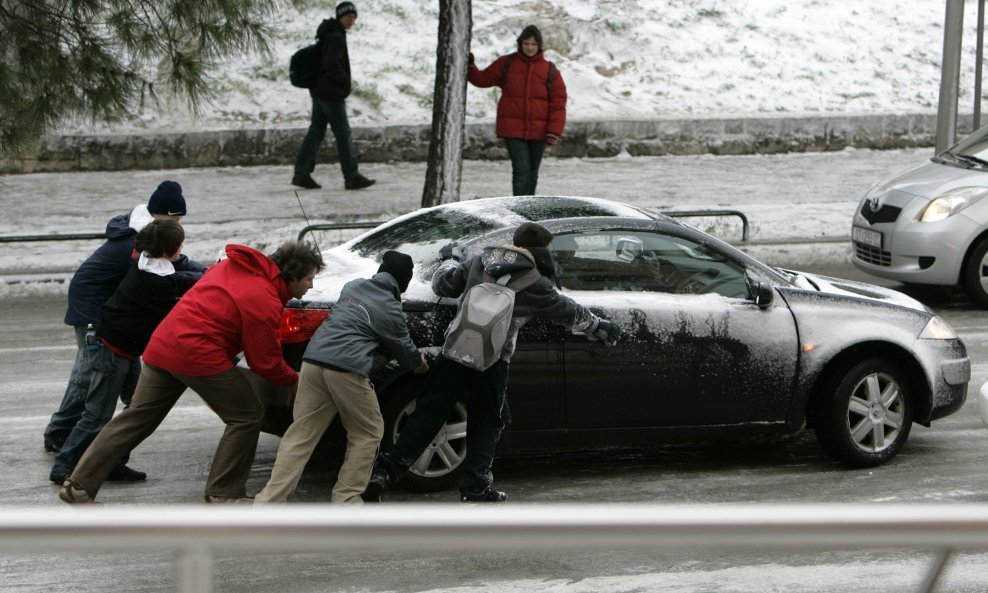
pixel 508 259
pixel 255 262
pixel 328 26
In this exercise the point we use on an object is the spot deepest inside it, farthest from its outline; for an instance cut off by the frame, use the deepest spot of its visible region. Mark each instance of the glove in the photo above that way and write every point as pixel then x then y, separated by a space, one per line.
pixel 551 139
pixel 607 332
pixel 450 251
pixel 470 59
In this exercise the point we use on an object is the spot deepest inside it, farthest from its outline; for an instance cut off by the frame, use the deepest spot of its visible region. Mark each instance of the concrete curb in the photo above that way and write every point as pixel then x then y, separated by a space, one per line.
pixel 659 137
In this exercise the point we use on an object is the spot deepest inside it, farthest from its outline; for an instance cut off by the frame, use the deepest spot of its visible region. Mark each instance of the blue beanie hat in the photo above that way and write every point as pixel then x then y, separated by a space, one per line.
pixel 167 199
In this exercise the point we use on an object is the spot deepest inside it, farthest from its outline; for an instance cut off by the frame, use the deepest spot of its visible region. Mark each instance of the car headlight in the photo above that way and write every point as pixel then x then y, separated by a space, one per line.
pixel 951 203
pixel 937 329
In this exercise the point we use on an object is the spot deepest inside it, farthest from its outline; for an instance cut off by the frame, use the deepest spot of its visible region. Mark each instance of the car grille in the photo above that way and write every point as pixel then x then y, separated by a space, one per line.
pixel 872 255
pixel 884 214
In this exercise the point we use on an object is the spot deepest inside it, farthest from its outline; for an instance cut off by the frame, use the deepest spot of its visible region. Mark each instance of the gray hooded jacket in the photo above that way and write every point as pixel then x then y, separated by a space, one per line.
pixel 367 316
pixel 541 299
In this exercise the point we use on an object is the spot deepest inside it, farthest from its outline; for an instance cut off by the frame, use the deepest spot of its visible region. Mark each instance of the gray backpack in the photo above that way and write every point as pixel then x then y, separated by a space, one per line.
pixel 476 336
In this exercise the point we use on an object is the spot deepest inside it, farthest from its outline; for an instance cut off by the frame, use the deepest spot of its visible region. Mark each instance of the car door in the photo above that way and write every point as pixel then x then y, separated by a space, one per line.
pixel 696 350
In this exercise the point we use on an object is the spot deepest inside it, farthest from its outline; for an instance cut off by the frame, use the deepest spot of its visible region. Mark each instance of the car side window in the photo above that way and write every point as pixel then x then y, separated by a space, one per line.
pixel 644 261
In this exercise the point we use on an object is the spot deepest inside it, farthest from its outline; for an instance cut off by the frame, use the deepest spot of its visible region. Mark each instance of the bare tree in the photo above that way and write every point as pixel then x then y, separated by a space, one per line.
pixel 101 59
pixel 445 165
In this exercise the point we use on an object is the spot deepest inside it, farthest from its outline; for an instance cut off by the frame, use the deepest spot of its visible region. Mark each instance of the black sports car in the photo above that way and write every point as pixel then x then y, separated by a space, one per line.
pixel 716 344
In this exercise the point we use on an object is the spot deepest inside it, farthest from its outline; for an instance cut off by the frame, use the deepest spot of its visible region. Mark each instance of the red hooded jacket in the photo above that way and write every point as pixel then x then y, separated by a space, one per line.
pixel 529 107
pixel 235 307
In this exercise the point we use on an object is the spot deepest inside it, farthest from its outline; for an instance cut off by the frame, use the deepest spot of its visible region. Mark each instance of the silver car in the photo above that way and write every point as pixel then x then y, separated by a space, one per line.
pixel 929 224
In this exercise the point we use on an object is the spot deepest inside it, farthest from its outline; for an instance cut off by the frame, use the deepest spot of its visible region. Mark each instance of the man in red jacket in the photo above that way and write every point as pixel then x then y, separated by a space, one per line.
pixel 236 307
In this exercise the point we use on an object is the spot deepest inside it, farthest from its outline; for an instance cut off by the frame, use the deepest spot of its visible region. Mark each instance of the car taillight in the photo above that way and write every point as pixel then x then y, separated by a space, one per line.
pixel 298 325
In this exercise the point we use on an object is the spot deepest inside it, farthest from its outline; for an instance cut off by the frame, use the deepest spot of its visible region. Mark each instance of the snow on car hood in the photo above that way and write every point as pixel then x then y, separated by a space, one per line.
pixel 858 290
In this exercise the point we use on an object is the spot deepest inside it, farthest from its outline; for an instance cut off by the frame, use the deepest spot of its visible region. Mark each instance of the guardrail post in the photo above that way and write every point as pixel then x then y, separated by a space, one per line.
pixel 937 567
pixel 194 570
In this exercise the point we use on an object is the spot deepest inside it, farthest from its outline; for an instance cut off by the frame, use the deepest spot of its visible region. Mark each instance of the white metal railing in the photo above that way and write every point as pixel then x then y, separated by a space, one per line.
pixel 195 532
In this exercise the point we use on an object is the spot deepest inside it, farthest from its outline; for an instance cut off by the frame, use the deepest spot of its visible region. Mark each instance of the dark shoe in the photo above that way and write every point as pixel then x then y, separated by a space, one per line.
pixel 58 475
pixel 358 181
pixel 122 473
pixel 380 480
pixel 488 495
pixel 72 493
pixel 210 499
pixel 54 441
pixel 305 181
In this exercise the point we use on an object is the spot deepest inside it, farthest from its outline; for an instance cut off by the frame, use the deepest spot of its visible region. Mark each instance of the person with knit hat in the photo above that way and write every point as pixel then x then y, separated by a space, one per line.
pixel 335 379
pixel 91 286
pixel 486 390
pixel 329 93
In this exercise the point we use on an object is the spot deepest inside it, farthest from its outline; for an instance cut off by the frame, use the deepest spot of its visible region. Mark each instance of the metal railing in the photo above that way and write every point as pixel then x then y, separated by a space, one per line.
pixel 195 532
pixel 52 237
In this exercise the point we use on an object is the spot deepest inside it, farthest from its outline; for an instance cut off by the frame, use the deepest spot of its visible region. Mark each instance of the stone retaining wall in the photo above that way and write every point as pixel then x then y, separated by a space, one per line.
pixel 247 147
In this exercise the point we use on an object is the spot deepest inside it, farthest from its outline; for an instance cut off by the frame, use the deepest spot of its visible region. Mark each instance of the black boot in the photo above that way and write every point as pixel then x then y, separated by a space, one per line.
pixel 358 181
pixel 305 181
pixel 122 473
pixel 487 495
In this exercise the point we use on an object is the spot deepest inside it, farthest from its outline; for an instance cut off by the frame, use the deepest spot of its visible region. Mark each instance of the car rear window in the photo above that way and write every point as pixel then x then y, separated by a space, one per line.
pixel 420 235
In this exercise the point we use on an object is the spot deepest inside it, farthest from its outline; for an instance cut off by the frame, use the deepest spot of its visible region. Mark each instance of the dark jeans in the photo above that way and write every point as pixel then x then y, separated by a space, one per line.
pixel 446 383
pixel 74 400
pixel 526 157
pixel 109 372
pixel 332 113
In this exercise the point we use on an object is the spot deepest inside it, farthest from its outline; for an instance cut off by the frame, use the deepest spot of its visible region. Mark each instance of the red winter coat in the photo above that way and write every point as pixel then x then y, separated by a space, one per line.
pixel 529 107
pixel 235 307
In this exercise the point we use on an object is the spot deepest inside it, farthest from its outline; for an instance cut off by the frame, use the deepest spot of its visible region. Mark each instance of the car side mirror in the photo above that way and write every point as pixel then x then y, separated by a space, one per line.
pixel 764 295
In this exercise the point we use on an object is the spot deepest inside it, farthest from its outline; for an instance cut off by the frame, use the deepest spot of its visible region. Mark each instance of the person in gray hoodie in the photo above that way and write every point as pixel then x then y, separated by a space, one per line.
pixel 335 380
pixel 486 389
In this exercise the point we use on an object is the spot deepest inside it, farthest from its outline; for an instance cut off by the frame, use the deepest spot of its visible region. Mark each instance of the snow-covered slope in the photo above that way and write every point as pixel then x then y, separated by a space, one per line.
pixel 621 59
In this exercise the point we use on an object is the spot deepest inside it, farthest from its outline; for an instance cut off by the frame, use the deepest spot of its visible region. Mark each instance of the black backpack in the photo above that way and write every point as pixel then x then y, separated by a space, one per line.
pixel 303 67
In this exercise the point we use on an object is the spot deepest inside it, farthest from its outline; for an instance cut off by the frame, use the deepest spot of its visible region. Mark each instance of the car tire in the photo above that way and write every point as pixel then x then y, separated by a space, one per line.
pixel 976 274
pixel 441 463
pixel 864 417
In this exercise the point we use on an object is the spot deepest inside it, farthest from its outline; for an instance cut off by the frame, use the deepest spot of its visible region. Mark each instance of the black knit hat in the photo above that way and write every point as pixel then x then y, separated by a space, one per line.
pixel 398 265
pixel 345 8
pixel 529 234
pixel 167 199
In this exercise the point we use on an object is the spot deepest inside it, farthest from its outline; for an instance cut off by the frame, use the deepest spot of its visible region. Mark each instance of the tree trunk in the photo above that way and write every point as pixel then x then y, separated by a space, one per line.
pixel 445 165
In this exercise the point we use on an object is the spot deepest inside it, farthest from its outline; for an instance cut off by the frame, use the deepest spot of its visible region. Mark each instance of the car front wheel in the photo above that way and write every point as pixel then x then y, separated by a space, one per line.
pixel 865 416
pixel 440 465
pixel 976 274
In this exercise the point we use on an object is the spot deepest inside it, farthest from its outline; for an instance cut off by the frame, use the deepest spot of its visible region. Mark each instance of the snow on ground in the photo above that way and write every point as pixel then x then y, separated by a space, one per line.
pixel 621 60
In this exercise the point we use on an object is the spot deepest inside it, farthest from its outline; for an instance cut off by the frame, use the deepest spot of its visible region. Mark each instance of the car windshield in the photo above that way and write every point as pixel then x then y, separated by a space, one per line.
pixel 975 145
pixel 421 236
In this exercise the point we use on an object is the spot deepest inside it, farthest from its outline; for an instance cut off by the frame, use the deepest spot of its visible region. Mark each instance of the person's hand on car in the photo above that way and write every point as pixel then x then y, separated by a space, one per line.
pixel 451 251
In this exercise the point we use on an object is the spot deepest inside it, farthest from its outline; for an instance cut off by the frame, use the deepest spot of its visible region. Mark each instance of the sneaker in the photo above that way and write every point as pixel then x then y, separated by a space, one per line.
pixel 488 495
pixel 58 475
pixel 305 181
pixel 122 473
pixel 380 481
pixel 210 499
pixel 54 441
pixel 358 181
pixel 72 493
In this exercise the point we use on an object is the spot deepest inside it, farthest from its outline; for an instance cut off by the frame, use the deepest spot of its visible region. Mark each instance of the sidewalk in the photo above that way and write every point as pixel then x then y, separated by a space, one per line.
pixel 803 201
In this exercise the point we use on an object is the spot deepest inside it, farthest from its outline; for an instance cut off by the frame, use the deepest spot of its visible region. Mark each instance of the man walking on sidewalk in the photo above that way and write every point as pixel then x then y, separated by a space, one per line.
pixel 333 85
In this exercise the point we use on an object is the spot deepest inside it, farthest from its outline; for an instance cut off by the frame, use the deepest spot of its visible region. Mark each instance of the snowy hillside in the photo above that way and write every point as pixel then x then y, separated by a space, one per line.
pixel 621 59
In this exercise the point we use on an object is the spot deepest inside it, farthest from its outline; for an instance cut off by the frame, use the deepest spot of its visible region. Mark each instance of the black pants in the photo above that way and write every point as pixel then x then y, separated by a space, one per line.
pixel 526 158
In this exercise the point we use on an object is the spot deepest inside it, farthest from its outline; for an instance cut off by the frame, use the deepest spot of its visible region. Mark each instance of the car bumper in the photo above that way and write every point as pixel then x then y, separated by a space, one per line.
pixel 951 374
pixel 916 252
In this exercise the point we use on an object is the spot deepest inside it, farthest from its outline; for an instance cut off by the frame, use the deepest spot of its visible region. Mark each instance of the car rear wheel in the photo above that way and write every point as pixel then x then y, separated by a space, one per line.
pixel 440 465
pixel 865 416
pixel 976 274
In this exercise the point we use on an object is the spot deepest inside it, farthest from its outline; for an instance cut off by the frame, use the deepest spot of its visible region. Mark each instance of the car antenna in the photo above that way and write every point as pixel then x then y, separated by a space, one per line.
pixel 307 223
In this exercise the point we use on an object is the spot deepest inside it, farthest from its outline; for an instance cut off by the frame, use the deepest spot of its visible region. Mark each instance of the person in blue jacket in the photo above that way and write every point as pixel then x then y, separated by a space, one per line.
pixel 91 286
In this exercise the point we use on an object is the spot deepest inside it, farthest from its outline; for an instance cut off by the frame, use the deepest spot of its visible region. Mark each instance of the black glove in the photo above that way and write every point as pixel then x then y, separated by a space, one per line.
pixel 450 250
pixel 470 59
pixel 607 332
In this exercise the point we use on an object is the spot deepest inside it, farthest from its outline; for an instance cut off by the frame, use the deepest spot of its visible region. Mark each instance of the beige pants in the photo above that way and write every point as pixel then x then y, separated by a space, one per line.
pixel 322 393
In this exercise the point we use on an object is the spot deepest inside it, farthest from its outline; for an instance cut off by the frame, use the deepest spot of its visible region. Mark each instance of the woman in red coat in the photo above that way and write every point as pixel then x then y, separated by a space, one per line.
pixel 531 113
